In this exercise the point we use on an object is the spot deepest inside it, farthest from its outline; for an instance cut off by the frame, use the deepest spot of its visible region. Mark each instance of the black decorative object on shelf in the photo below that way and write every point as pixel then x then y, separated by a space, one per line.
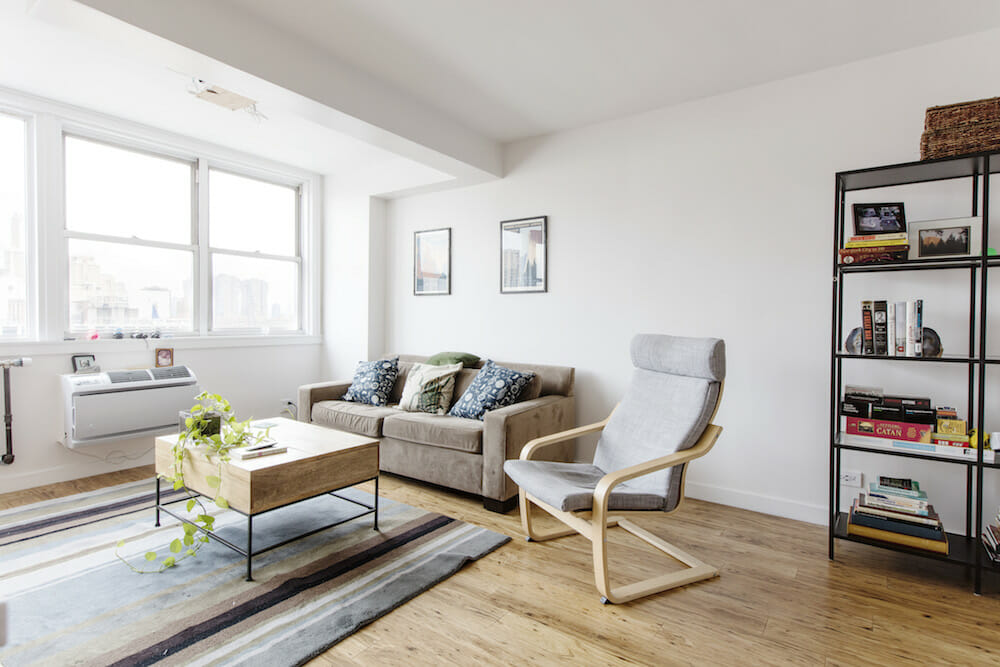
pixel 965 547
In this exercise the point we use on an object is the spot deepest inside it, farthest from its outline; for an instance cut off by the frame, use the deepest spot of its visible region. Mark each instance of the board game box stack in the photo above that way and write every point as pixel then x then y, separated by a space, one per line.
pixel 872 418
pixel 895 510
pixel 991 539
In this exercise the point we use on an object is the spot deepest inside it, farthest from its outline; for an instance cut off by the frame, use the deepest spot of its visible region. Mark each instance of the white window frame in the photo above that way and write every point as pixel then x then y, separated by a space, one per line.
pixel 45 222
pixel 30 226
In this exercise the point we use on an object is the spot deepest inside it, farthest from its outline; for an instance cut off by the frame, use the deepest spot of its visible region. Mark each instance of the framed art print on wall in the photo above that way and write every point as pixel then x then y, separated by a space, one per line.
pixel 524 255
pixel 432 261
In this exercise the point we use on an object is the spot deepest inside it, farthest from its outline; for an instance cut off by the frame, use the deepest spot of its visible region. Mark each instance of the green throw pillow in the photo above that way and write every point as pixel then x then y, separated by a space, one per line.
pixel 429 388
pixel 447 358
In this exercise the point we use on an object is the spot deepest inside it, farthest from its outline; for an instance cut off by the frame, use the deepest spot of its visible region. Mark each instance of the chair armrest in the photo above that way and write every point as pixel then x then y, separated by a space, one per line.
pixel 603 490
pixel 506 430
pixel 529 449
pixel 310 394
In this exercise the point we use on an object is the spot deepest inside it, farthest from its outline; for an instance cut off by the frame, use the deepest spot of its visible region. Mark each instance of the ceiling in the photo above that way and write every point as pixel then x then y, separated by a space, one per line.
pixel 517 68
pixel 406 94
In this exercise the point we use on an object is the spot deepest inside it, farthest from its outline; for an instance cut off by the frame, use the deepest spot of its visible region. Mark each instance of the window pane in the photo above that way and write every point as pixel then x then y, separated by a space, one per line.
pixel 249 293
pixel 119 286
pixel 13 283
pixel 118 192
pixel 250 215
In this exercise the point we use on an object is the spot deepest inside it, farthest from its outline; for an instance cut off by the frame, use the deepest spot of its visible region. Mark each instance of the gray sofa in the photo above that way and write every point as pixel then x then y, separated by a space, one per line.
pixel 463 454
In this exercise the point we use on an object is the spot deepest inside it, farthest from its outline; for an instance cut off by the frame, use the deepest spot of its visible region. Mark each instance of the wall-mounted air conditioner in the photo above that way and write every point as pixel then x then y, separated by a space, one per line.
pixel 116 405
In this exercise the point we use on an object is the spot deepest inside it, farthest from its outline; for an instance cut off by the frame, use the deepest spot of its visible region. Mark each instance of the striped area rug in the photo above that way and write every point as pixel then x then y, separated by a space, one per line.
pixel 69 601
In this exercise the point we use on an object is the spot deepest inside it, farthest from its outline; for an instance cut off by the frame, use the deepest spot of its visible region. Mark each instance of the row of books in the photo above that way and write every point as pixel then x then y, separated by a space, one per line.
pixel 991 538
pixel 893 329
pixel 895 510
pixel 875 248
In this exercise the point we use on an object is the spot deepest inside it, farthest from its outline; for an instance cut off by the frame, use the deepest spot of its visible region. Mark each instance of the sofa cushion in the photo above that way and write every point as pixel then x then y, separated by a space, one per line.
pixel 494 387
pixel 353 417
pixel 464 435
pixel 429 388
pixel 373 381
pixel 449 358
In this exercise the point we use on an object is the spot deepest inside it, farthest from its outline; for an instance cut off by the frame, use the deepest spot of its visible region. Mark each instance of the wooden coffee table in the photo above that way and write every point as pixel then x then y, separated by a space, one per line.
pixel 319 461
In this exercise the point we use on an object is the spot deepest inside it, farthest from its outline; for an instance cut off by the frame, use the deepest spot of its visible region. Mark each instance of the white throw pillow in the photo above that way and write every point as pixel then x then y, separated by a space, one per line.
pixel 429 388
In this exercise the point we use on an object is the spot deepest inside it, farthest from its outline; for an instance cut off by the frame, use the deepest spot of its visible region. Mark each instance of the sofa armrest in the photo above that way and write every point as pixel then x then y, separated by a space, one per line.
pixel 507 430
pixel 310 394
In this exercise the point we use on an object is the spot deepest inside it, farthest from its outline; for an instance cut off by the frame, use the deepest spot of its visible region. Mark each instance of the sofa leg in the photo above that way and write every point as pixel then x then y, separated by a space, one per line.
pixel 500 506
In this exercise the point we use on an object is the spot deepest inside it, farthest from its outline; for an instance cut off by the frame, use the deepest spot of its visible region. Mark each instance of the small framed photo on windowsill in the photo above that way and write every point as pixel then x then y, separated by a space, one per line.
pixel 164 357
pixel 85 363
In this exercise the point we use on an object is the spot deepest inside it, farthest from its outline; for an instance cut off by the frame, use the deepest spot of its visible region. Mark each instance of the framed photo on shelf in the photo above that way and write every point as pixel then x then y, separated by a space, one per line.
pixel 524 255
pixel 879 218
pixel 164 357
pixel 432 261
pixel 951 237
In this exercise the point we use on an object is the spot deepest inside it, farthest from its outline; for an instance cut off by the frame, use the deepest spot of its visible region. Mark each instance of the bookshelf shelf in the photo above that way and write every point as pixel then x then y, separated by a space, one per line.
pixel 961 549
pixel 977 170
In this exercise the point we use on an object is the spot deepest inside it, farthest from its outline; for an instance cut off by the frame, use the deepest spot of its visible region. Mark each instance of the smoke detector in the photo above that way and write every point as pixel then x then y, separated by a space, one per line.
pixel 224 98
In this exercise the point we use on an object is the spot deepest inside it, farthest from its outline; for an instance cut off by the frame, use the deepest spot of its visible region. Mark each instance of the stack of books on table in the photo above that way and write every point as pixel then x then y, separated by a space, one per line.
pixel 895 510
pixel 875 248
pixel 991 539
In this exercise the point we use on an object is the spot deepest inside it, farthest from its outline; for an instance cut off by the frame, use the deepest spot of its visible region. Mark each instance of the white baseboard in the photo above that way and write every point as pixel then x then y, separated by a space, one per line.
pixel 64 473
pixel 790 509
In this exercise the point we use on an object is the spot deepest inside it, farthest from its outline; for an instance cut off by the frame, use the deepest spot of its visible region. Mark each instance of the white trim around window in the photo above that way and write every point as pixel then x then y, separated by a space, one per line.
pixel 49 122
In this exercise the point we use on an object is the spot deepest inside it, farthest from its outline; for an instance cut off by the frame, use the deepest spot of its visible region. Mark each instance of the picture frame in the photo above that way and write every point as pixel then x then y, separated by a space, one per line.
pixel 882 218
pixel 432 261
pixel 524 245
pixel 164 357
pixel 945 238
pixel 84 363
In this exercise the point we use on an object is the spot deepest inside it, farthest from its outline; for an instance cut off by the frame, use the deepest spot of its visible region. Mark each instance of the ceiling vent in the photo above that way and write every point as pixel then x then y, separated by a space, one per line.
pixel 226 99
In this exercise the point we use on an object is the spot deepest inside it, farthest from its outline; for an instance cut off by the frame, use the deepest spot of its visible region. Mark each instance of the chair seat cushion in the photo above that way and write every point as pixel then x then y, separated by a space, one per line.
pixel 464 435
pixel 570 486
pixel 353 417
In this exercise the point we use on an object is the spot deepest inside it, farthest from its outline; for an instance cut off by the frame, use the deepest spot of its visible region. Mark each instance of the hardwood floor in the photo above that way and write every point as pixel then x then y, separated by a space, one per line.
pixel 779 600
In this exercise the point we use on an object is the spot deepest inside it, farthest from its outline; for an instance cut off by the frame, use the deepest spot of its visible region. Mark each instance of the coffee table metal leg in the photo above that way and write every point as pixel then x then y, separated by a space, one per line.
pixel 376 503
pixel 157 501
pixel 249 546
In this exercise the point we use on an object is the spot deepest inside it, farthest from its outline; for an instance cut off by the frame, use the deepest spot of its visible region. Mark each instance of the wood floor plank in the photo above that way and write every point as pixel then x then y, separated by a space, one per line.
pixel 779 600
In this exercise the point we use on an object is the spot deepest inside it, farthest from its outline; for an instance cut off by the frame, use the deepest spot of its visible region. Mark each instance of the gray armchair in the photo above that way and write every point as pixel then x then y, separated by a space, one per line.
pixel 662 423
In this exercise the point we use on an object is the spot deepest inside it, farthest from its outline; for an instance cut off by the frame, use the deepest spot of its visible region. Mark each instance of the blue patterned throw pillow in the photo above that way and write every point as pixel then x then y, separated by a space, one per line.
pixel 373 381
pixel 493 387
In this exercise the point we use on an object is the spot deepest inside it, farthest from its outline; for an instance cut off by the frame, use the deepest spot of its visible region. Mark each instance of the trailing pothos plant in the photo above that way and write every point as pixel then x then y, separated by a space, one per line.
pixel 212 429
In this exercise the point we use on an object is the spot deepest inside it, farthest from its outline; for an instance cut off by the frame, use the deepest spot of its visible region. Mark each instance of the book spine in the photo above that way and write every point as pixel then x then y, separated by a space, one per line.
pixel 898 516
pixel 918 345
pixel 890 325
pixel 873 255
pixel 867 332
pixel 889 430
pixel 908 504
pixel 911 328
pixel 900 329
pixel 902 493
pixel 879 326
pixel 876 243
pixel 897 538
pixel 891 236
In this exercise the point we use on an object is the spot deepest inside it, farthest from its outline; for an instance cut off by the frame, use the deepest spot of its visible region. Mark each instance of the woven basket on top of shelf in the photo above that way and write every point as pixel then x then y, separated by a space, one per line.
pixel 960 129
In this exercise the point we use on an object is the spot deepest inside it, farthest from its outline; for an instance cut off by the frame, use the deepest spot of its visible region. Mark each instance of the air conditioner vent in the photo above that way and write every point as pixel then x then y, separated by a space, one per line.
pixel 128 376
pixel 170 373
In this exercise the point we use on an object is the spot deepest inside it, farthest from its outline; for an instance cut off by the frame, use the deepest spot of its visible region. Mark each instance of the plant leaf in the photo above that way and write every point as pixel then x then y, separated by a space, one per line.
pixel 178 485
pixel 176 546
pixel 190 505
pixel 213 481
pixel 188 540
pixel 168 561
pixel 221 502
pixel 121 543
pixel 150 555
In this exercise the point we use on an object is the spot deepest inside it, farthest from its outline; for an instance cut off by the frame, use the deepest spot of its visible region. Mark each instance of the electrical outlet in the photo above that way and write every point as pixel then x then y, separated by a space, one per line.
pixel 851 478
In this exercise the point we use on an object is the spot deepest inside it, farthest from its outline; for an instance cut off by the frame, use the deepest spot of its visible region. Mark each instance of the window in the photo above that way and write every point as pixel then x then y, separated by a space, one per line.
pixel 140 259
pixel 129 240
pixel 14 317
pixel 253 236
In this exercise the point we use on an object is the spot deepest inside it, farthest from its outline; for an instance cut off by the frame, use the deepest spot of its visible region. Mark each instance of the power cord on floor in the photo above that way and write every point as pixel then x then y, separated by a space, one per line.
pixel 114 457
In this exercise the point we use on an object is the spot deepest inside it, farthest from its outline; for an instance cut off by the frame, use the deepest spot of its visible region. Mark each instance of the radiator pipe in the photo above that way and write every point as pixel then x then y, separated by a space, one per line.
pixel 8 419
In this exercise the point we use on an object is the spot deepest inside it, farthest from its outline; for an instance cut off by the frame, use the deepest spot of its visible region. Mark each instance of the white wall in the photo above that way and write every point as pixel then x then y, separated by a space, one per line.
pixel 708 219
pixel 254 379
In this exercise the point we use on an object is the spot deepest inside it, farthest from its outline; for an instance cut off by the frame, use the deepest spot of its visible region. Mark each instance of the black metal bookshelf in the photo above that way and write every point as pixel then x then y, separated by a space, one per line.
pixel 966 548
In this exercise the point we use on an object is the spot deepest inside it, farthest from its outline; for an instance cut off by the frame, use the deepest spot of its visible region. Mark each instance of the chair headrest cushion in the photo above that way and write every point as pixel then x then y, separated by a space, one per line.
pixel 679 355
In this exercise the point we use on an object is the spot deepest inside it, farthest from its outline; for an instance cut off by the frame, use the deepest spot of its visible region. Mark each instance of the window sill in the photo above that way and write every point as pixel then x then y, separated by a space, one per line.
pixel 42 348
